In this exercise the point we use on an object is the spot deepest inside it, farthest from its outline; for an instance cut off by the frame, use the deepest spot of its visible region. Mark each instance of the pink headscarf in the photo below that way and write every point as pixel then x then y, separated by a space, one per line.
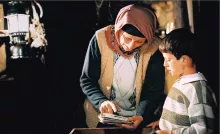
pixel 141 18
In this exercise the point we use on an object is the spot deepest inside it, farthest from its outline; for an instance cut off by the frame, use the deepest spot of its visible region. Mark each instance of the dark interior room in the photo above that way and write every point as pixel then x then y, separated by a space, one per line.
pixel 46 97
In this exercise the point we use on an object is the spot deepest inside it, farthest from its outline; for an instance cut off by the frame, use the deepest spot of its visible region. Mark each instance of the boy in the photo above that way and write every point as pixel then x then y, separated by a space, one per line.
pixel 190 106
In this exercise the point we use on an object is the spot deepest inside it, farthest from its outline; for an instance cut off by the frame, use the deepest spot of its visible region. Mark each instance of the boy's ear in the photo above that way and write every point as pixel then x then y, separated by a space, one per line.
pixel 186 59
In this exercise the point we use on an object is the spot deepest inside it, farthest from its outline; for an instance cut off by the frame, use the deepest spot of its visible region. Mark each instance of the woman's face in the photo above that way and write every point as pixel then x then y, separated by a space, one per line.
pixel 129 42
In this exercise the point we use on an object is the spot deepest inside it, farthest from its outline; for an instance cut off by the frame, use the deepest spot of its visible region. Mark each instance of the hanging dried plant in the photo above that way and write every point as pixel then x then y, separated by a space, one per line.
pixel 37 31
pixel 98 4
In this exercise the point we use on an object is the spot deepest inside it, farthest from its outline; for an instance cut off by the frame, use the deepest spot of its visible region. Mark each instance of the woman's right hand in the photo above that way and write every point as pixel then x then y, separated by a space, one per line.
pixel 109 107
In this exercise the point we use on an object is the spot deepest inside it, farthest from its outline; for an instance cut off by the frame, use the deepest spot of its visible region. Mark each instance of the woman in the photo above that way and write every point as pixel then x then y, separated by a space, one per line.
pixel 123 69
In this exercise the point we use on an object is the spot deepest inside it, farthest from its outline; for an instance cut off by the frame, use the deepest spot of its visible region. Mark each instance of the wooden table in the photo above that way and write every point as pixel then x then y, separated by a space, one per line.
pixel 106 131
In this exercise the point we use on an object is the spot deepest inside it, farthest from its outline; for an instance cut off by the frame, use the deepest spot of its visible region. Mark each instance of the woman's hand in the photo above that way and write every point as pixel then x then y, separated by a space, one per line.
pixel 154 124
pixel 109 107
pixel 163 132
pixel 136 120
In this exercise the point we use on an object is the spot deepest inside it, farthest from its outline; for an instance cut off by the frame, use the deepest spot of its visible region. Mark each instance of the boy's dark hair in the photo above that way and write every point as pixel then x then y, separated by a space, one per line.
pixel 181 42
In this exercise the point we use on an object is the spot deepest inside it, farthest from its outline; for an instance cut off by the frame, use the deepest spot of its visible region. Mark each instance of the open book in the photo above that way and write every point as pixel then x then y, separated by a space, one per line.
pixel 107 118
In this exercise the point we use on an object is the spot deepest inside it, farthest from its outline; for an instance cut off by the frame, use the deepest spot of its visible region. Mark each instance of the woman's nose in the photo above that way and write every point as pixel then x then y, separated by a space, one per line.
pixel 130 46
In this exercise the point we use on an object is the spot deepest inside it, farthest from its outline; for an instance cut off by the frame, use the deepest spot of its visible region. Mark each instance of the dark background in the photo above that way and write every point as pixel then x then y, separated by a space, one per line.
pixel 48 98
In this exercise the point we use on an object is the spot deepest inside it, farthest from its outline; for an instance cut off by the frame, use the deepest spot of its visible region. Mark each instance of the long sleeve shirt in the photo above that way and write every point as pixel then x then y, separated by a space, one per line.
pixel 152 90
pixel 190 107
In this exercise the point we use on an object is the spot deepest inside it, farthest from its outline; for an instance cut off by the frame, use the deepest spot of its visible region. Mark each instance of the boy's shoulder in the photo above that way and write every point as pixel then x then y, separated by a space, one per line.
pixel 190 84
pixel 192 78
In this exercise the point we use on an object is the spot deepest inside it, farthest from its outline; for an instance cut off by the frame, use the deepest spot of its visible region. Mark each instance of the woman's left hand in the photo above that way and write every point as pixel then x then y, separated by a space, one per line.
pixel 154 124
pixel 136 120
pixel 163 132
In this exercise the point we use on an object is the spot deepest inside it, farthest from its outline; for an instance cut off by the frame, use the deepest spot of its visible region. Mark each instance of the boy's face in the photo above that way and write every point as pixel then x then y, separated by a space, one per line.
pixel 174 66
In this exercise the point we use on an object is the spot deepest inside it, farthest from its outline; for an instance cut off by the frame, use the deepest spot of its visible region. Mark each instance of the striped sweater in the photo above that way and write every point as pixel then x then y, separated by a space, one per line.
pixel 190 107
